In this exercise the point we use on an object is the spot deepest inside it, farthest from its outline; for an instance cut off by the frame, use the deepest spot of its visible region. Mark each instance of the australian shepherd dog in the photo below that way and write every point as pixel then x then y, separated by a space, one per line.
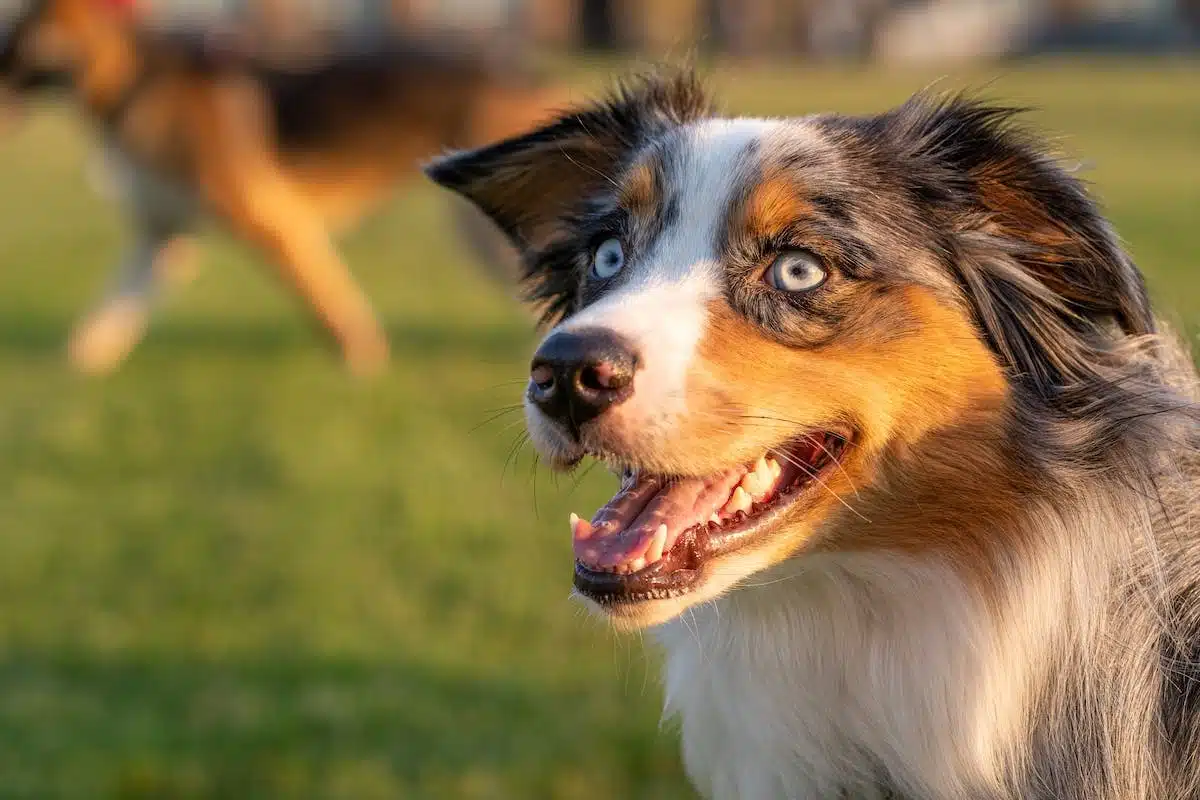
pixel 285 154
pixel 908 465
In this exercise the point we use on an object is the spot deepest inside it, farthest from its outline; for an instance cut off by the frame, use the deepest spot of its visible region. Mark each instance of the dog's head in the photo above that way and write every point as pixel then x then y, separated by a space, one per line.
pixel 42 42
pixel 750 317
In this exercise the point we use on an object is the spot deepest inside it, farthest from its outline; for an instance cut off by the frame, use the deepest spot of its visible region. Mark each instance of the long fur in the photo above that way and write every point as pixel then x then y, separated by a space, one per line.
pixel 1057 654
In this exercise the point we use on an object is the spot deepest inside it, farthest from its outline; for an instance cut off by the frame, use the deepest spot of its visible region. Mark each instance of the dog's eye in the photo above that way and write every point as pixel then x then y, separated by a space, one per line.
pixel 796 271
pixel 608 259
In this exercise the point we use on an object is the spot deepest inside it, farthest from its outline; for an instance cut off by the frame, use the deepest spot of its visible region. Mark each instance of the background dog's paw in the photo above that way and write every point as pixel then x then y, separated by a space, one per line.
pixel 366 356
pixel 104 339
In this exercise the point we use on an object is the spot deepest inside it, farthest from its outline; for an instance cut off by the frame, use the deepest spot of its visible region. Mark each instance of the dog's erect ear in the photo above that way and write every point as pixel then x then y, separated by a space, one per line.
pixel 1051 286
pixel 527 183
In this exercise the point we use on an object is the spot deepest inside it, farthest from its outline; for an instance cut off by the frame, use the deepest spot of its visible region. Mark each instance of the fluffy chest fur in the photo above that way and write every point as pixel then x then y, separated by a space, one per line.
pixel 872 675
pixel 860 674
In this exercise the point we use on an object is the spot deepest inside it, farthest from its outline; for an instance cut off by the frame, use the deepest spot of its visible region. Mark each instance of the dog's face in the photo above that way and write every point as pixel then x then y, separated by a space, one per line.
pixel 36 51
pixel 751 317
pixel 40 42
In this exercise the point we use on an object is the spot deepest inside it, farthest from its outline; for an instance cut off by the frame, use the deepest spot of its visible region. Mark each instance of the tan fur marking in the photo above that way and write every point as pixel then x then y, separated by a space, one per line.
pixel 931 399
pixel 640 192
pixel 772 205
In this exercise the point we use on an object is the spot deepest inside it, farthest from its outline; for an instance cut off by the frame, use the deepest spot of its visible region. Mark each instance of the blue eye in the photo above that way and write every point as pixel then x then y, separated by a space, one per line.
pixel 608 259
pixel 796 271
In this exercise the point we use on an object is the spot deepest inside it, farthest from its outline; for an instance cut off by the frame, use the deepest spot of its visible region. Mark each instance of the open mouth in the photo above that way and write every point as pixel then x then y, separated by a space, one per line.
pixel 651 541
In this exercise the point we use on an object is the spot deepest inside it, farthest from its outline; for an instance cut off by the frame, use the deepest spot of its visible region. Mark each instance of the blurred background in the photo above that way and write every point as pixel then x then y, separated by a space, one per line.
pixel 230 571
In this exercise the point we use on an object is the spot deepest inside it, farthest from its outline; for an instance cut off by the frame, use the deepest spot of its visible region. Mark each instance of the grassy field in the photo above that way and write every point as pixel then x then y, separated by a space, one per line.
pixel 229 571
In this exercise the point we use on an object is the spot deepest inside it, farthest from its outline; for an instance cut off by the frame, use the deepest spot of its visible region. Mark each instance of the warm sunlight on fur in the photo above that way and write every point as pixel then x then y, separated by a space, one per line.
pixel 286 156
pixel 907 465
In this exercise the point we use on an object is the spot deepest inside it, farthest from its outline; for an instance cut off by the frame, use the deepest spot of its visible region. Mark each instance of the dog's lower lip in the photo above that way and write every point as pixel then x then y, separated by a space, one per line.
pixel 680 568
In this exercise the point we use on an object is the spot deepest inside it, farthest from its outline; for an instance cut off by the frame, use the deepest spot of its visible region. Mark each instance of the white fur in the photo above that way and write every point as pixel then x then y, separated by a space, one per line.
pixel 827 672
pixel 660 306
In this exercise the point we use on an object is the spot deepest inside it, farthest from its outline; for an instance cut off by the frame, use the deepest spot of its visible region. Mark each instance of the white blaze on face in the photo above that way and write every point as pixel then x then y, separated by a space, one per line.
pixel 659 306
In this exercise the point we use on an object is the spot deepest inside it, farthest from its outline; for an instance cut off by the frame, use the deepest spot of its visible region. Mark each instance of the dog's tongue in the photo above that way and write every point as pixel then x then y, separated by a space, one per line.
pixel 650 512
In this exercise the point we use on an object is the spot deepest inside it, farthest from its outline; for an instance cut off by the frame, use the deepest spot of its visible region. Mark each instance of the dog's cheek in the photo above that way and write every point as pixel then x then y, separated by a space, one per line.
pixel 747 392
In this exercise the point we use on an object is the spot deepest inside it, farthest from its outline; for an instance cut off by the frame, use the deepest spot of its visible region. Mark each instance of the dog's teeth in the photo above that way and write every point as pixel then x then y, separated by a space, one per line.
pixel 715 519
pixel 655 553
pixel 637 564
pixel 758 479
pixel 740 501
pixel 774 468
pixel 581 529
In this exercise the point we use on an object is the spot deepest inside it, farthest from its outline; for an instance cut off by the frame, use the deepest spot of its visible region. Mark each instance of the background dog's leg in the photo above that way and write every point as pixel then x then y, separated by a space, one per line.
pixel 268 212
pixel 241 180
pixel 106 336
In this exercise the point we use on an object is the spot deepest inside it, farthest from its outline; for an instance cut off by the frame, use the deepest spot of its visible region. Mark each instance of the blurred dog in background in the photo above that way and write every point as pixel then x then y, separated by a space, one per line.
pixel 285 155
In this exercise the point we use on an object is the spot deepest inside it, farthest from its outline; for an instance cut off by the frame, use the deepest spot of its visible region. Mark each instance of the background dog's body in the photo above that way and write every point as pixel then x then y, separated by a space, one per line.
pixel 285 154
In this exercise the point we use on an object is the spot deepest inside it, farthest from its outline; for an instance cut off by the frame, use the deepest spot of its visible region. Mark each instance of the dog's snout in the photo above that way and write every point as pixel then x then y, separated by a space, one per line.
pixel 577 375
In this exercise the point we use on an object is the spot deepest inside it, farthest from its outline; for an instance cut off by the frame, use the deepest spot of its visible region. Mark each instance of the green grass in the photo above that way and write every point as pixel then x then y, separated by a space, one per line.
pixel 230 571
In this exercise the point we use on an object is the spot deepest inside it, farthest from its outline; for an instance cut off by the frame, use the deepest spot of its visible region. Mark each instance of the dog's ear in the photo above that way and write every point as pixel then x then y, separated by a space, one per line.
pixel 1052 289
pixel 526 184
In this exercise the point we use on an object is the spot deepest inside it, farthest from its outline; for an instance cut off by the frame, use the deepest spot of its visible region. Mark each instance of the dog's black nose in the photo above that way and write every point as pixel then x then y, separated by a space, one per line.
pixel 576 376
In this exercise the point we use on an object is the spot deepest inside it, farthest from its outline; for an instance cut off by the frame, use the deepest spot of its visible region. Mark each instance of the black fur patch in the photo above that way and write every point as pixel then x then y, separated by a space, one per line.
pixel 575 158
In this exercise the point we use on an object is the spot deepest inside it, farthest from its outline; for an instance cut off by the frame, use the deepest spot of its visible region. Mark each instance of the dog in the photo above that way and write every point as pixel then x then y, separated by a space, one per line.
pixel 909 466
pixel 285 155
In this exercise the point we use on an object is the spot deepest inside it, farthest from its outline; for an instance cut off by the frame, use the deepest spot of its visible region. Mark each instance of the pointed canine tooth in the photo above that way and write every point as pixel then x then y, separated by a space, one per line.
pixel 760 467
pixel 715 519
pixel 581 529
pixel 637 564
pixel 740 501
pixel 752 484
pixel 657 544
pixel 776 469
